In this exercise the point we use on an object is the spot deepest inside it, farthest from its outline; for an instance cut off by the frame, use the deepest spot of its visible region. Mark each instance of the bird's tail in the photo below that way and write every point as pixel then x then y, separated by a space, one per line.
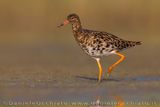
pixel 133 43
pixel 138 43
pixel 129 44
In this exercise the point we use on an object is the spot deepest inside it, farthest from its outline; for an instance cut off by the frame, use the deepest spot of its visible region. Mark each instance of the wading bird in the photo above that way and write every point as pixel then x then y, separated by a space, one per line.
pixel 97 44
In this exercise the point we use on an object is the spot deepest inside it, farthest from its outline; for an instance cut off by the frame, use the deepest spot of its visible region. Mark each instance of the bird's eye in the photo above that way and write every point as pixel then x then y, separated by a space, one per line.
pixel 72 17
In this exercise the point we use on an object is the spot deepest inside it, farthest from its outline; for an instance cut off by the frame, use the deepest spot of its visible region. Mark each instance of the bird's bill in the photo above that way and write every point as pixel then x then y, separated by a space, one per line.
pixel 65 22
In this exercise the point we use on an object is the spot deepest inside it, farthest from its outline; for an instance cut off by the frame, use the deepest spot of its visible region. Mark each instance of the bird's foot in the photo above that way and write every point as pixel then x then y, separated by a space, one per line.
pixel 99 81
pixel 109 71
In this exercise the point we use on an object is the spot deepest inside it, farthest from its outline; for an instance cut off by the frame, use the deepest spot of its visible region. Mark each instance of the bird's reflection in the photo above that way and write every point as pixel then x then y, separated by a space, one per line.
pixel 118 99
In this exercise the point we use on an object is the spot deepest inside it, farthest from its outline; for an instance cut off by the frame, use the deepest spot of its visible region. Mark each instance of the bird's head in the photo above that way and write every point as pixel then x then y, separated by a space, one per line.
pixel 71 18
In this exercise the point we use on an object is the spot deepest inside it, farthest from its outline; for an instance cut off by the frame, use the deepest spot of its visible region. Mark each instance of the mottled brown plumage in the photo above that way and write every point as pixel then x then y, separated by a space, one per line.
pixel 97 43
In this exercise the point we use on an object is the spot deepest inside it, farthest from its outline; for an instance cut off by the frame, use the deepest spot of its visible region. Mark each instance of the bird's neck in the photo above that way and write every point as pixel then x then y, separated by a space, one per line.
pixel 77 30
pixel 76 27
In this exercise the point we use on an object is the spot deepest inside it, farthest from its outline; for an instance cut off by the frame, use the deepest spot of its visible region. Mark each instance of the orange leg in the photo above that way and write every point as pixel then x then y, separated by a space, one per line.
pixel 122 57
pixel 100 69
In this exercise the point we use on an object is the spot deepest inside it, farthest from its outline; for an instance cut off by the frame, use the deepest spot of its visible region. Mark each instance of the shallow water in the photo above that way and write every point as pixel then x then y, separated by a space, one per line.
pixel 48 92
pixel 44 74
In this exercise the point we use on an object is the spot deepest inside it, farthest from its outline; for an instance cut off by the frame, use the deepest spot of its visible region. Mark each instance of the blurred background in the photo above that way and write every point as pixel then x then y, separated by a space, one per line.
pixel 35 53
pixel 33 48
pixel 35 22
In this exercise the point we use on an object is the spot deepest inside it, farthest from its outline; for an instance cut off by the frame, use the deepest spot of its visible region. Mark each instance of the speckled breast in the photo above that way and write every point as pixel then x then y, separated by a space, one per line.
pixel 97 49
